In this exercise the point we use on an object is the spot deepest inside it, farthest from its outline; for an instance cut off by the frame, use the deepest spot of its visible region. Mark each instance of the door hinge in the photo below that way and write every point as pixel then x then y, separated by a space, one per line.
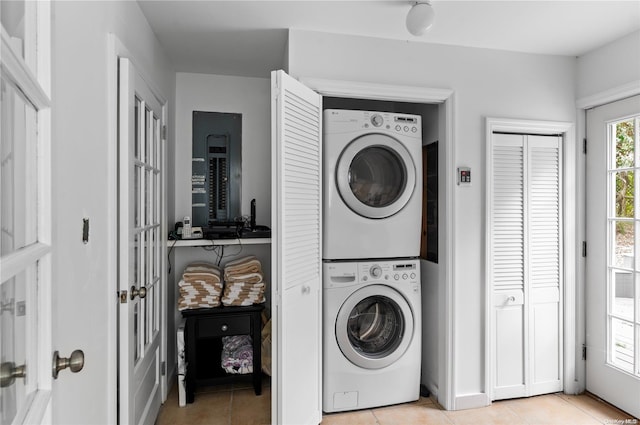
pixel 584 248
pixel 584 351
pixel 584 146
pixel 123 296
pixel 163 368
pixel 164 132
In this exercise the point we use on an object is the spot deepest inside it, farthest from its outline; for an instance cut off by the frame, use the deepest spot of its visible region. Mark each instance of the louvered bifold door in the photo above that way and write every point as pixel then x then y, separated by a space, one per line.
pixel 296 251
pixel 525 266
pixel 507 274
pixel 545 265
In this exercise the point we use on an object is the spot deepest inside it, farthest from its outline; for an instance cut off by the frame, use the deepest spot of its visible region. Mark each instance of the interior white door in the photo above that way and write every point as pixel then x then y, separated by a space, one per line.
pixel 525 264
pixel 139 246
pixel 296 251
pixel 26 286
pixel 613 263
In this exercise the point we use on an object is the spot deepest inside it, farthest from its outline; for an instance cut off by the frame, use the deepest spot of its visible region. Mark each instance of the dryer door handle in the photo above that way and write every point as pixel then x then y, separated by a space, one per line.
pixel 306 289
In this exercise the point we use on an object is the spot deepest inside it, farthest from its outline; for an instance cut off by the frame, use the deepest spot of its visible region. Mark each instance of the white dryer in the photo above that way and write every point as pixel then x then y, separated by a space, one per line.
pixel 372 183
pixel 371 334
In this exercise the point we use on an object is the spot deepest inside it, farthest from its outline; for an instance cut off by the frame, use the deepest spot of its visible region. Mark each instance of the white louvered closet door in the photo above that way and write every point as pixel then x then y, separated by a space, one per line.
pixel 296 251
pixel 525 264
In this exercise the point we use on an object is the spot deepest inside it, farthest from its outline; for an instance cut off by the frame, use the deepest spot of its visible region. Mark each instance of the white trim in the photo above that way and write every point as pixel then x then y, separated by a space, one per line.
pixel 448 386
pixel 14 263
pixel 608 96
pixel 471 401
pixel 569 252
pixel 18 72
pixel 114 49
pixel 360 90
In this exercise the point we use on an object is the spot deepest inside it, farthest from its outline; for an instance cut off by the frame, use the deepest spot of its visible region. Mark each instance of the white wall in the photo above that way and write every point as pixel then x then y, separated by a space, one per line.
pixel 611 66
pixel 83 187
pixel 486 83
pixel 250 97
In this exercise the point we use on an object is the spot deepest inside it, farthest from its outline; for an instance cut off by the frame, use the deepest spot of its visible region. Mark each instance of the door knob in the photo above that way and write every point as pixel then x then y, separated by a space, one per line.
pixel 75 363
pixel 142 292
pixel 9 372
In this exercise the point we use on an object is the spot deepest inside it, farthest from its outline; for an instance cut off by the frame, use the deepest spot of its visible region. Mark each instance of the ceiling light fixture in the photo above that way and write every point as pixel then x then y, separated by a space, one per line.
pixel 420 17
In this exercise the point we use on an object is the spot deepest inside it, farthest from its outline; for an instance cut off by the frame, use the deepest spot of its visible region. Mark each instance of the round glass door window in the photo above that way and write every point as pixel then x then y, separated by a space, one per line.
pixel 374 326
pixel 376 176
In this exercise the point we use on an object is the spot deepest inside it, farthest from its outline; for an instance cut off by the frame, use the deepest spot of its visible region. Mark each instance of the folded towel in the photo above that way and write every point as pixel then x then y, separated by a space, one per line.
pixel 245 277
pixel 249 264
pixel 232 301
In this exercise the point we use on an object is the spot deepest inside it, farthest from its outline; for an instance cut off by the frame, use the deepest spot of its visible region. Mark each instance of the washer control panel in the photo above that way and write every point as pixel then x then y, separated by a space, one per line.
pixel 389 271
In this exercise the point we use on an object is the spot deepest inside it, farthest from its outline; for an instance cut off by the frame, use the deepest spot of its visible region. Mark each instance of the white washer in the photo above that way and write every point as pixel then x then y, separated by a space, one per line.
pixel 371 334
pixel 372 185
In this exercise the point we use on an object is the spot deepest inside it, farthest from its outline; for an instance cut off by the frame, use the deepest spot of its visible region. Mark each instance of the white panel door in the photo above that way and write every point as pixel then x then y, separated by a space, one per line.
pixel 507 275
pixel 296 251
pixel 544 265
pixel 525 264
pixel 140 247
pixel 613 263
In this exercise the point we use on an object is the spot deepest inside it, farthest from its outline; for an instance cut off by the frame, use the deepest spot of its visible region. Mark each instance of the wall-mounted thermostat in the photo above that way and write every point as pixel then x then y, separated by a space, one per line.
pixel 464 176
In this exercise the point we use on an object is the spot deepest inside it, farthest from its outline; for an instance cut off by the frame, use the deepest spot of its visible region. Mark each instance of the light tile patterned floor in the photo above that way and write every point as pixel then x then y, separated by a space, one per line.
pixel 237 404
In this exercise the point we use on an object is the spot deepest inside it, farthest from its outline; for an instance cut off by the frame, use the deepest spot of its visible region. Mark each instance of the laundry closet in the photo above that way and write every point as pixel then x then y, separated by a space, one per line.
pixel 250 98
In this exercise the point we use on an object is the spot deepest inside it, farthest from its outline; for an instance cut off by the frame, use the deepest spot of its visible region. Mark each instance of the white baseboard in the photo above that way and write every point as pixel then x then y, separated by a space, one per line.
pixel 471 401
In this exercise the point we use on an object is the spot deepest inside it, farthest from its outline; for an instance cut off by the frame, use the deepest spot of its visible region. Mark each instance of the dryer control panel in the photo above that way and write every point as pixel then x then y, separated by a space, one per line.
pixel 402 124
pixel 386 122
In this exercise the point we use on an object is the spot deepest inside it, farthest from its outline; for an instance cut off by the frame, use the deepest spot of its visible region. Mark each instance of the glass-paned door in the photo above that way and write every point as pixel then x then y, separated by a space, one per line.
pixel 140 246
pixel 613 263
pixel 25 213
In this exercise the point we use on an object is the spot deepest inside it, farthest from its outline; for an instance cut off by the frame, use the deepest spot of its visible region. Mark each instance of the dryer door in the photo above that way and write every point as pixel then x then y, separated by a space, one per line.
pixel 374 327
pixel 376 176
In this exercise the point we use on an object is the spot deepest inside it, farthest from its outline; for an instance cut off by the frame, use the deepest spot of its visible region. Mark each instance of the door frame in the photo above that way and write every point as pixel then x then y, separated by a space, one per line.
pixel 115 50
pixel 582 105
pixel 569 300
pixel 446 392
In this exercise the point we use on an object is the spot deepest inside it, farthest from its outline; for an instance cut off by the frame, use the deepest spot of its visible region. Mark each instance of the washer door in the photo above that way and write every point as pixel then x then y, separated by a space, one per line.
pixel 374 327
pixel 375 175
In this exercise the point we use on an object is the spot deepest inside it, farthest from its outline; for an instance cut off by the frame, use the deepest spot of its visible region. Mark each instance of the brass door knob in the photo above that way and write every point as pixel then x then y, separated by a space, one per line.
pixel 142 292
pixel 9 372
pixel 75 363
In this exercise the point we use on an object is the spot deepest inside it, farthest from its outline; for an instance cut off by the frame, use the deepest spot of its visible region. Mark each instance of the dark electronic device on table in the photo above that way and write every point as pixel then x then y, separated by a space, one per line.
pixel 255 231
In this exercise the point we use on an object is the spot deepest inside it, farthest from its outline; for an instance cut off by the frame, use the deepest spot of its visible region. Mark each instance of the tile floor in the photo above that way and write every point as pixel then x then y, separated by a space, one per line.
pixel 237 404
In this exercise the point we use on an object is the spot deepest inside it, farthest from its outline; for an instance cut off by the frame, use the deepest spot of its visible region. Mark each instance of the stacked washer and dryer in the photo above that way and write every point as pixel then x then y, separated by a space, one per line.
pixel 371 243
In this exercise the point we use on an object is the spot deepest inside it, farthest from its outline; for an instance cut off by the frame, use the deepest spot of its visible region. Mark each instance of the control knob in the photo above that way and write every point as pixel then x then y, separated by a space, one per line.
pixel 377 120
pixel 375 271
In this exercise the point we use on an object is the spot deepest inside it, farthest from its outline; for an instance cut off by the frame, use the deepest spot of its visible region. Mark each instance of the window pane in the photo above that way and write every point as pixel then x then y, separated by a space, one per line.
pixel 624 244
pixel 17 304
pixel 625 149
pixel 622 335
pixel 622 293
pixel 625 186
pixel 13 17
pixel 18 197
pixel 137 128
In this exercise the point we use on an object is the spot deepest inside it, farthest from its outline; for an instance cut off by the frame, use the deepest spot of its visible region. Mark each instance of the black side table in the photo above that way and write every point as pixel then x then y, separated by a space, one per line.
pixel 204 330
